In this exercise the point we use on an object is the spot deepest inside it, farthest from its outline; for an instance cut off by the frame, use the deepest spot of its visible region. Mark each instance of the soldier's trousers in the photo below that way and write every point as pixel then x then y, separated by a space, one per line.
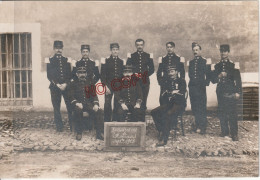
pixel 227 114
pixel 56 95
pixel 130 115
pixel 163 120
pixel 96 116
pixel 145 91
pixel 198 100
pixel 108 113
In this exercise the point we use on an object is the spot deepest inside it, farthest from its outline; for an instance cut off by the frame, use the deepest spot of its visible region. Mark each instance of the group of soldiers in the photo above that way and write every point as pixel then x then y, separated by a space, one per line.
pixel 130 102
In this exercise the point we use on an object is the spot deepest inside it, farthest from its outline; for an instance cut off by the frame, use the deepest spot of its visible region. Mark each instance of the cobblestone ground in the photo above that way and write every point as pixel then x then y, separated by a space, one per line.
pixel 30 147
pixel 35 131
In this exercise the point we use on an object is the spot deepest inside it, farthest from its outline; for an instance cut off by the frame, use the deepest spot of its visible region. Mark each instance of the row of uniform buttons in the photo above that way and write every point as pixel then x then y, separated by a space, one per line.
pixel 61 70
pixel 195 67
pixel 116 66
pixel 140 62
pixel 170 59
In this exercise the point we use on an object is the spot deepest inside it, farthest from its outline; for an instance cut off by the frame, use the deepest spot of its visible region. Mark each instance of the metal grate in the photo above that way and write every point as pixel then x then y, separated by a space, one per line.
pixel 15 69
pixel 248 108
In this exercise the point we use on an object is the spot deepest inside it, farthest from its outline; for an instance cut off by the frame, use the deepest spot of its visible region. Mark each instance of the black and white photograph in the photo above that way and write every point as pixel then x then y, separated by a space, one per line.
pixel 129 89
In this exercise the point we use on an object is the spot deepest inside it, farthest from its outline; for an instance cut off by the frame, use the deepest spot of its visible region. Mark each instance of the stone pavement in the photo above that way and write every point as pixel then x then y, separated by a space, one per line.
pixel 35 131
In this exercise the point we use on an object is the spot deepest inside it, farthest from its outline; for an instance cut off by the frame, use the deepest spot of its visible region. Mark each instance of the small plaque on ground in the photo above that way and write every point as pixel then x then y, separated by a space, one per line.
pixel 125 136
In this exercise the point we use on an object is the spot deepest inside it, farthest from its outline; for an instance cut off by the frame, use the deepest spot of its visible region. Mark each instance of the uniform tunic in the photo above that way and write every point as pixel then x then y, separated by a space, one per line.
pixel 199 74
pixel 143 64
pixel 172 105
pixel 59 72
pixel 226 89
pixel 77 94
pixel 111 69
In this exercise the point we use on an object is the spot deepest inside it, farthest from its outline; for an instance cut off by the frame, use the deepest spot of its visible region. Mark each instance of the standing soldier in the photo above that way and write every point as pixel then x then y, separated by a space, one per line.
pixel 129 97
pixel 91 66
pixel 59 75
pixel 83 106
pixel 173 103
pixel 229 89
pixel 199 74
pixel 143 65
pixel 171 59
pixel 111 69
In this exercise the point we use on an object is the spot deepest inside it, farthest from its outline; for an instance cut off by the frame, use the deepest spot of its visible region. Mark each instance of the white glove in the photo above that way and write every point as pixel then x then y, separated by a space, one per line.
pixel 108 91
pixel 95 108
pixel 79 105
pixel 63 86
pixel 175 91
pixel 237 95
pixel 124 107
pixel 137 105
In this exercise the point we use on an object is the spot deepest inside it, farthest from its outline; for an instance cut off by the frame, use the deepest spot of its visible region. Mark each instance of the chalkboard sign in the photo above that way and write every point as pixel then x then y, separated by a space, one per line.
pixel 125 136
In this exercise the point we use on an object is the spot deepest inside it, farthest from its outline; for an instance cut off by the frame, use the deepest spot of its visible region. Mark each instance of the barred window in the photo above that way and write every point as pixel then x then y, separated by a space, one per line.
pixel 15 69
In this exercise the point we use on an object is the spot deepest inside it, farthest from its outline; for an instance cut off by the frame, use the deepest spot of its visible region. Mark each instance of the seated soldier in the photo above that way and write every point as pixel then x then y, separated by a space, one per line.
pixel 129 97
pixel 173 103
pixel 83 106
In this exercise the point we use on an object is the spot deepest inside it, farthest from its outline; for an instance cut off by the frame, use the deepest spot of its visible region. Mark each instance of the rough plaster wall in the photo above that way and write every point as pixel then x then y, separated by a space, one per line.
pixel 100 23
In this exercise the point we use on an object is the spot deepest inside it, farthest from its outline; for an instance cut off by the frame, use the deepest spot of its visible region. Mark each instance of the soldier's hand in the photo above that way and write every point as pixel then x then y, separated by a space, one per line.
pixel 224 74
pixel 63 86
pixel 95 108
pixel 137 105
pixel 108 91
pixel 220 75
pixel 58 85
pixel 124 107
pixel 237 96
pixel 79 105
pixel 175 91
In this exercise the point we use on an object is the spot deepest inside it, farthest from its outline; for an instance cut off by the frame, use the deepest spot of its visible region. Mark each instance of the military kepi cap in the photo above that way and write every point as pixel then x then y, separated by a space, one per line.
pixel 85 46
pixel 81 69
pixel 224 48
pixel 194 44
pixel 114 45
pixel 58 44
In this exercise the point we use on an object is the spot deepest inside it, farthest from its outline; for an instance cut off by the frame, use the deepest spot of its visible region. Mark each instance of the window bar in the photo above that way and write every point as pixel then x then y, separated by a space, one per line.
pixel 1 69
pixel 19 52
pixel 26 64
pixel 11 69
pixel 7 70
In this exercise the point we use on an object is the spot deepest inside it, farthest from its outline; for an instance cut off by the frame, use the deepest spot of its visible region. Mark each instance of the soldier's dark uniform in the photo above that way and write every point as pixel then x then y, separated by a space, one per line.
pixel 143 63
pixel 172 105
pixel 164 63
pixel 91 66
pixel 59 72
pixel 227 87
pixel 129 95
pixel 111 69
pixel 77 94
pixel 199 74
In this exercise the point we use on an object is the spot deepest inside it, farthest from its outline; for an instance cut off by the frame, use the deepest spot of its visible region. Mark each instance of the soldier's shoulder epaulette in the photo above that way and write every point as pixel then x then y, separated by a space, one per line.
pixel 237 65
pixel 208 61
pixel 96 62
pixel 231 62
pixel 124 62
pixel 69 60
pixel 151 55
pixel 203 58
pixel 47 60
pixel 129 55
pixel 103 60
pixel 182 59
pixel 178 55
pixel 160 60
